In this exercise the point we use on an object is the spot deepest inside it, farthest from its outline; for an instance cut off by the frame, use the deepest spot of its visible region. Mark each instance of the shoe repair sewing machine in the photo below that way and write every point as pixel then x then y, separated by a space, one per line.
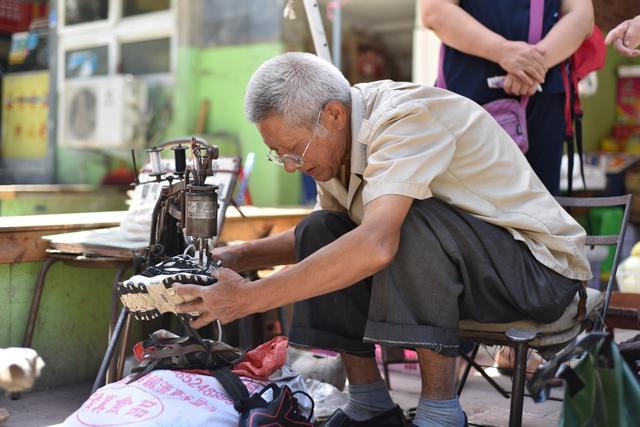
pixel 186 212
pixel 187 216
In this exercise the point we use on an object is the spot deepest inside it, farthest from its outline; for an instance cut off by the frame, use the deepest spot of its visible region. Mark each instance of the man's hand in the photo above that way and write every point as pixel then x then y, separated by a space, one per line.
pixel 524 61
pixel 226 300
pixel 626 37
pixel 514 86
pixel 227 255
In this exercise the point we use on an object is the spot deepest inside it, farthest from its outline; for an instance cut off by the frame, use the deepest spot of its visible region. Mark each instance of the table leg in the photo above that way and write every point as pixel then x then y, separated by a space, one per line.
pixel 112 371
pixel 35 301
pixel 122 358
pixel 110 349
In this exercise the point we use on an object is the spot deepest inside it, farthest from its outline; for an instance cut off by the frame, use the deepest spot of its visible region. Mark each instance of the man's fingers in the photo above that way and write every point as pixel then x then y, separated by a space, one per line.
pixel 223 271
pixel 203 320
pixel 183 289
pixel 190 307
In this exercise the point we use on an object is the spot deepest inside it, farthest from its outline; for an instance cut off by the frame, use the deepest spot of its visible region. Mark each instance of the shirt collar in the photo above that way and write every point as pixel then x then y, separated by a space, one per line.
pixel 358 150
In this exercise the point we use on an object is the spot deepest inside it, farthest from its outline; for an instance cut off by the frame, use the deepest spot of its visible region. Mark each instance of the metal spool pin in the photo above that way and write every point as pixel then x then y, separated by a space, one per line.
pixel 156 162
pixel 180 156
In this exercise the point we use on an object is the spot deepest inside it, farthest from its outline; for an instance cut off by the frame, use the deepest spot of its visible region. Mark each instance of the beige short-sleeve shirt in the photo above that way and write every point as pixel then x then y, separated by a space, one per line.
pixel 426 142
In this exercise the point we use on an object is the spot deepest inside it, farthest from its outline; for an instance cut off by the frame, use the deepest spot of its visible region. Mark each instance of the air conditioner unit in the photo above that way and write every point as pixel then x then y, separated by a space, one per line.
pixel 103 113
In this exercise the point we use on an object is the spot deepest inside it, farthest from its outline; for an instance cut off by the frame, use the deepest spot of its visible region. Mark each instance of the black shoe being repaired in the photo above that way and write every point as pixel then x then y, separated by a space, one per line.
pixel 392 418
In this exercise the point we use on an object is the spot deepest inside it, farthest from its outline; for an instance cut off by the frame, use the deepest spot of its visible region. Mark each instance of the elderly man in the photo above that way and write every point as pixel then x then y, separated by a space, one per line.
pixel 427 213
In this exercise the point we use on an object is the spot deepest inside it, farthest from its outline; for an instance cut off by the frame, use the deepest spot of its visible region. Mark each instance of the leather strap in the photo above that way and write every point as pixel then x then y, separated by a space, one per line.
pixel 582 303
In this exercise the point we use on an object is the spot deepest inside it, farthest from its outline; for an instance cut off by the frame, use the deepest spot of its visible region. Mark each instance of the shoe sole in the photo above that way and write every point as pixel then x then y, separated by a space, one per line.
pixel 147 301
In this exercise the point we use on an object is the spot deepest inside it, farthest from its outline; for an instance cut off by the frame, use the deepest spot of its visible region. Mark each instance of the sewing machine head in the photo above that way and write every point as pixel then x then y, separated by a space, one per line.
pixel 186 213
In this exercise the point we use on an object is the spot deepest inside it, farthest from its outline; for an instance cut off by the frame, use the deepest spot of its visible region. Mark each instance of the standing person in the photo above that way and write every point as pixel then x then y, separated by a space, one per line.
pixel 486 39
pixel 427 213
pixel 626 37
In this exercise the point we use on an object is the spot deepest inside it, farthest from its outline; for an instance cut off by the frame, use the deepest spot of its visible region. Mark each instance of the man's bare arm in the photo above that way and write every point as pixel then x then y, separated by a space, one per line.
pixel 260 253
pixel 356 255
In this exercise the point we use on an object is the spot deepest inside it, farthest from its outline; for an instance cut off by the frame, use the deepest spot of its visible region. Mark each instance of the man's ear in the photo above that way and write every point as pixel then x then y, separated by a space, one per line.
pixel 336 115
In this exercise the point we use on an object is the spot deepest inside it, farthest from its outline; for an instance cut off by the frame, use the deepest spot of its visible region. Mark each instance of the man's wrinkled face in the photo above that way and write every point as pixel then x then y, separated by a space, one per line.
pixel 301 149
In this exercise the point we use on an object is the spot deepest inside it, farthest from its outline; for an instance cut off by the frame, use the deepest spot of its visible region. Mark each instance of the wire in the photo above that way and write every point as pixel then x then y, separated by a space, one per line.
pixel 219 330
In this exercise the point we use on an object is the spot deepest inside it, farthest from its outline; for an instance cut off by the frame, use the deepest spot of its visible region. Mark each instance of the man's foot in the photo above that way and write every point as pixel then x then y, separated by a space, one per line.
pixel 150 293
pixel 391 418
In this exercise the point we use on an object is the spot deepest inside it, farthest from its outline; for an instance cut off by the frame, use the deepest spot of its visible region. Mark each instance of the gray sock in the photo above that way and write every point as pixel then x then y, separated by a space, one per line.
pixel 368 400
pixel 437 413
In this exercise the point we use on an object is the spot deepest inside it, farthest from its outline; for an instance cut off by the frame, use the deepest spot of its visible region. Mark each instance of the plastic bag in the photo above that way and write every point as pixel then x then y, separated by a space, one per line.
pixel 600 390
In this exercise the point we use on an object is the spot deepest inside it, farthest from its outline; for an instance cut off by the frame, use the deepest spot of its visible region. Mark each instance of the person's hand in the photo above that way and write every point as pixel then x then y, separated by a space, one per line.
pixel 225 300
pixel 626 37
pixel 514 86
pixel 524 61
pixel 227 255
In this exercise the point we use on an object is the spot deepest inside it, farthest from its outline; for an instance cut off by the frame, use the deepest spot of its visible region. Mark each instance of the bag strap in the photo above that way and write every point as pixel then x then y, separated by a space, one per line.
pixel 441 82
pixel 236 389
pixel 573 118
pixel 536 15
pixel 232 384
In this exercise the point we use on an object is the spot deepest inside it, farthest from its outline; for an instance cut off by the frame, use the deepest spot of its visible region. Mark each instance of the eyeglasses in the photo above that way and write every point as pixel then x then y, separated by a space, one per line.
pixel 294 159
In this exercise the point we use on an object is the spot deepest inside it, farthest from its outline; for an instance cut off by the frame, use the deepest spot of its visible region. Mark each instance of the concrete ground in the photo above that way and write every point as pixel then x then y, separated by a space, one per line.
pixel 484 406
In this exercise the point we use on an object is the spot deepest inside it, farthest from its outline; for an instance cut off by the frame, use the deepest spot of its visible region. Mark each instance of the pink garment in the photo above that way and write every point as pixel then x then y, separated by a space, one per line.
pixel 263 360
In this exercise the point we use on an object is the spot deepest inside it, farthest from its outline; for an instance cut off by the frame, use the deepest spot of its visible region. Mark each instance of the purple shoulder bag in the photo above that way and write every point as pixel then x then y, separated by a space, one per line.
pixel 510 113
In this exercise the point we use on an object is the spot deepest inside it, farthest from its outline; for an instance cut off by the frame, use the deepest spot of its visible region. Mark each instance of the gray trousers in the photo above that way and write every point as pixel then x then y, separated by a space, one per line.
pixel 449 266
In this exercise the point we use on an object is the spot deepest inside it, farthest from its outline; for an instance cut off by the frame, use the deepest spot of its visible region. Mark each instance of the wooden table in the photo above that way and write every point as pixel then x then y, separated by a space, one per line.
pixel 94 240
pixel 21 236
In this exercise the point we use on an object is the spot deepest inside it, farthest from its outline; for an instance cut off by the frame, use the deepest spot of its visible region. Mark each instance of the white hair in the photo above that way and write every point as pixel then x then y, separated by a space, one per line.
pixel 295 85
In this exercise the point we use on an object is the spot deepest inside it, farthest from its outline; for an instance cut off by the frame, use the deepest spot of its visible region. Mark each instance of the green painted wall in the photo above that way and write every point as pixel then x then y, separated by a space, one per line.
pixel 80 166
pixel 600 109
pixel 220 75
pixel 55 203
pixel 71 328
pixel 72 324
